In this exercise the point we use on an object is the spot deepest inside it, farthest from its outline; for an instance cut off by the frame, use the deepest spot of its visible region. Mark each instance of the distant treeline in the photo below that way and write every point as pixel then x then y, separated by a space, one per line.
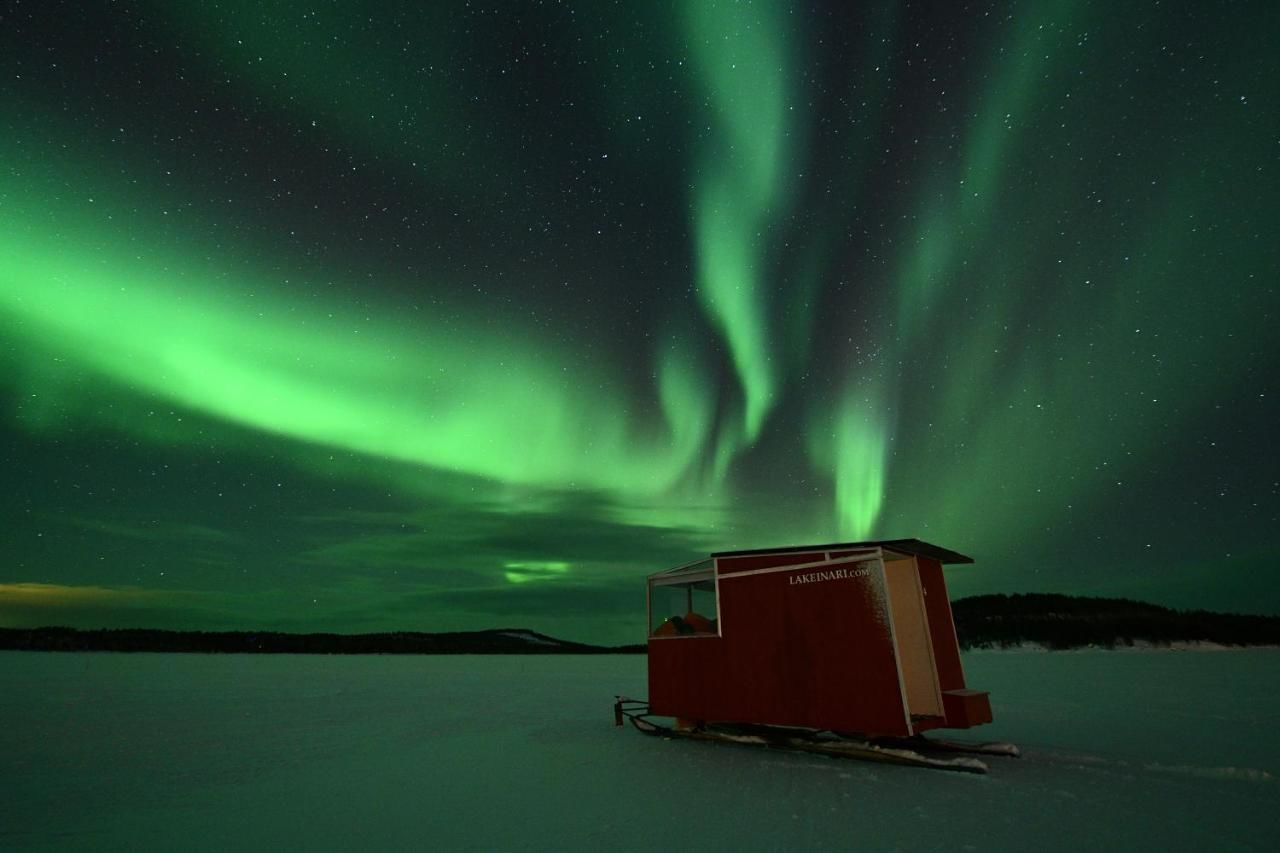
pixel 982 621
pixel 499 642
pixel 1069 621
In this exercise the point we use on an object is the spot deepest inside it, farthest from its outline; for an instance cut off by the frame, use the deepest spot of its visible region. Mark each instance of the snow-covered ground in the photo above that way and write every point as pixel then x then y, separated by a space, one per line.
pixel 1142 750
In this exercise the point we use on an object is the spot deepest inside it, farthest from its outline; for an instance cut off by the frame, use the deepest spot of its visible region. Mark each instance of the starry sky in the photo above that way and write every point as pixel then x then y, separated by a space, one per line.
pixel 322 316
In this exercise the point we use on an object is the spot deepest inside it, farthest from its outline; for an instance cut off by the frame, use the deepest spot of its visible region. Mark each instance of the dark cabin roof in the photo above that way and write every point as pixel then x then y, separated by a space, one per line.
pixel 902 546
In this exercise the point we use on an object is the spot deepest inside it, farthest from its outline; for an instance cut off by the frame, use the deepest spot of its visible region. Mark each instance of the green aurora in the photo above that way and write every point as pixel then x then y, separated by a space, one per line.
pixel 426 320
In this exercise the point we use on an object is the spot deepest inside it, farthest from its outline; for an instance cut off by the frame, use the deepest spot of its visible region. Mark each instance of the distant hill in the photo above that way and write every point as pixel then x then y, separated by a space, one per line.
pixel 982 621
pixel 501 641
pixel 1069 621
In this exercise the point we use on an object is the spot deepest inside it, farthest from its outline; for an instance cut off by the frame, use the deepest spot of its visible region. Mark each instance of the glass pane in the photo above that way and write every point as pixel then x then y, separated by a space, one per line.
pixel 684 609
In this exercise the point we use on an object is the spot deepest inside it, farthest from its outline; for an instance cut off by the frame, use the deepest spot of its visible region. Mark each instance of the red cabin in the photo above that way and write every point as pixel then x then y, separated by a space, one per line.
pixel 853 637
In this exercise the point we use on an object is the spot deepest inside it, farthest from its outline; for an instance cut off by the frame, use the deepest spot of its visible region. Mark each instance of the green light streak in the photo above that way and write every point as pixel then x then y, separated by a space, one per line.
pixel 1021 294
pixel 1017 90
pixel 743 61
pixel 1056 336
pixel 528 571
pixel 464 398
pixel 860 469
pixel 685 403
pixel 848 437
pixel 850 442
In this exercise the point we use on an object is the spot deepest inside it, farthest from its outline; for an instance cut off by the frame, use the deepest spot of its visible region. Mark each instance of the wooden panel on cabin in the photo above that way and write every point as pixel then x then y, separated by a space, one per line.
pixel 942 630
pixel 911 628
pixel 966 708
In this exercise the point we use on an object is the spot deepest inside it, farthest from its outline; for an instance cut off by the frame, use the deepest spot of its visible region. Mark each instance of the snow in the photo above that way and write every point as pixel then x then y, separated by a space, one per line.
pixel 1131 750
pixel 529 637
pixel 1134 646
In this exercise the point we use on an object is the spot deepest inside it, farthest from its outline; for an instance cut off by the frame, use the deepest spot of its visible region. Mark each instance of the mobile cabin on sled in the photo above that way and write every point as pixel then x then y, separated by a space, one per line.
pixel 854 637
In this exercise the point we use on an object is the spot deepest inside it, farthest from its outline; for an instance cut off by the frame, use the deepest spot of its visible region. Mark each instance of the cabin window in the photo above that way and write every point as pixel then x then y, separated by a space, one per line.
pixel 684 605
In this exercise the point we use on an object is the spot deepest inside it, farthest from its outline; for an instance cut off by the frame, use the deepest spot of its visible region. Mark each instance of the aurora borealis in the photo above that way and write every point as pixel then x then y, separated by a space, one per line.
pixel 441 316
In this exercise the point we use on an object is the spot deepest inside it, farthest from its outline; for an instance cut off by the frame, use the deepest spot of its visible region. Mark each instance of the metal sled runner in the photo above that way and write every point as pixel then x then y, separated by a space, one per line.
pixel 916 751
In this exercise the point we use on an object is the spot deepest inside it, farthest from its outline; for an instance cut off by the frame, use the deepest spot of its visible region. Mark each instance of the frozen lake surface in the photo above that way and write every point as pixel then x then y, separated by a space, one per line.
pixel 1153 750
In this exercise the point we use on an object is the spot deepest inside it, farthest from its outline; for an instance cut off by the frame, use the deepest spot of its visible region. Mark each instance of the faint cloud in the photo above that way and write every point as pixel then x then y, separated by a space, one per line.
pixel 59 595
pixel 476 542
pixel 554 598
pixel 36 604
pixel 149 531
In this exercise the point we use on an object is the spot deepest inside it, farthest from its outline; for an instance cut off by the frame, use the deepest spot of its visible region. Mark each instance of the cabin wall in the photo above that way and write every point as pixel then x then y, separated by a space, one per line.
pixel 793 651
pixel 751 562
pixel 942 628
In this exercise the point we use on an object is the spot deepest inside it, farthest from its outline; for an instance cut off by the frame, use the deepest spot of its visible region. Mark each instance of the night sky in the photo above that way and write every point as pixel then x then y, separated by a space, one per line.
pixel 436 316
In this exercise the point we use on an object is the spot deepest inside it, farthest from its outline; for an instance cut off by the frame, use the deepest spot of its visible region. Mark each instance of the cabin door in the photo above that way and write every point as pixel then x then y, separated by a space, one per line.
pixel 911 634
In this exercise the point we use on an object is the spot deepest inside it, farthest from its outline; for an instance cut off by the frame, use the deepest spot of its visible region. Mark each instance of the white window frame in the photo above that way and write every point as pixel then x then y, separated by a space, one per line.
pixel 688 573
